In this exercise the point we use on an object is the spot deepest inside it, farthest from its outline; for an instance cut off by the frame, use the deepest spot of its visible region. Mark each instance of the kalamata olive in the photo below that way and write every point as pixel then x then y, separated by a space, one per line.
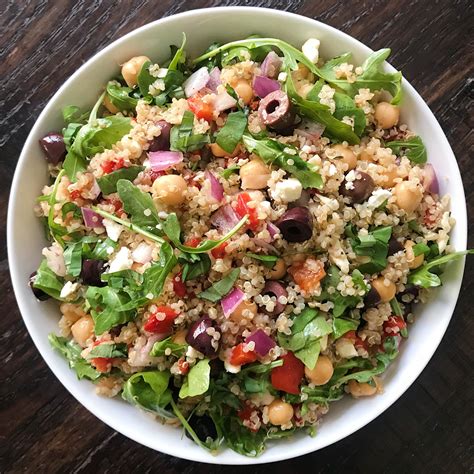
pixel 359 189
pixel 203 426
pixel 53 147
pixel 372 298
pixel 394 246
pixel 276 112
pixel 161 142
pixel 39 294
pixel 217 367
pixel 410 291
pixel 296 224
pixel 303 199
pixel 276 289
pixel 91 271
pixel 198 336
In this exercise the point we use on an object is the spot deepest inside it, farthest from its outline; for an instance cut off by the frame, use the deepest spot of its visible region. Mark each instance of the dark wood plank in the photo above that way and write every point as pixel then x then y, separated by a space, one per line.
pixel 44 429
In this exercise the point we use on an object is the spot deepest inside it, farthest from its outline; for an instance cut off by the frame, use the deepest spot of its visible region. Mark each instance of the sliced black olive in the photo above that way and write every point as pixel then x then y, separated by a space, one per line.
pixel 161 142
pixel 296 224
pixel 372 298
pixel 359 189
pixel 39 294
pixel 276 289
pixel 394 246
pixel 199 338
pixel 277 113
pixel 203 426
pixel 91 271
pixel 53 147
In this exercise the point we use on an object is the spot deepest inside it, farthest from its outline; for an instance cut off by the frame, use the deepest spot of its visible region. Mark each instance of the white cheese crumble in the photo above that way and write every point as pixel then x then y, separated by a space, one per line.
pixel 121 261
pixel 68 289
pixel 311 49
pixel 113 229
pixel 233 369
pixel 287 190
pixel 282 76
pixel 379 196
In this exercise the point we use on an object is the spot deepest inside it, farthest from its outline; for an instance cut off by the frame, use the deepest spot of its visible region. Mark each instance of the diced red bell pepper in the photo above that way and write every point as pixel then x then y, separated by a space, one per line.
pixel 219 252
pixel 161 326
pixel 356 340
pixel 242 209
pixel 110 165
pixel 179 286
pixel 193 241
pixel 75 194
pixel 288 376
pixel 240 357
pixel 102 364
pixel 201 109
pixel 394 325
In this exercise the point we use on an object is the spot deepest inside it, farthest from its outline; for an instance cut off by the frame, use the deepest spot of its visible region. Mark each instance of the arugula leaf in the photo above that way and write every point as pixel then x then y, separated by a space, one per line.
pixel 159 348
pixel 194 265
pixel 219 289
pixel 267 260
pixel 182 137
pixel 119 351
pixel 55 230
pixel 424 278
pixel 73 114
pixel 70 207
pixel 123 97
pixel 375 246
pixel 108 182
pixel 179 56
pixel 241 439
pixel 413 148
pixel 231 133
pixel 46 280
pixel 342 325
pixel 145 79
pixel 72 352
pixel 154 277
pixel 103 249
pixel 420 248
pixel 73 259
pixel 149 390
pixel 197 381
pixel 228 172
pixel 272 152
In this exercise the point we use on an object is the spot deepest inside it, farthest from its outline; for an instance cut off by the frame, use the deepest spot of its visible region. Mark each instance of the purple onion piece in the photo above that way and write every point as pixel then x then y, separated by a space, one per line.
pixel 225 218
pixel 196 81
pixel 163 160
pixel 214 79
pixel 91 218
pixel 263 343
pixel 271 65
pixel 230 302
pixel 198 337
pixel 276 289
pixel 263 86
pixel 217 191
pixel 430 180
pixel 53 147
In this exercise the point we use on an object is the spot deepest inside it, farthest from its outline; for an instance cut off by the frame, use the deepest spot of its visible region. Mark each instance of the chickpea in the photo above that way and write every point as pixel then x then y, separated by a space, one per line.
pixel 280 412
pixel 82 330
pixel 278 271
pixel 413 262
pixel 322 371
pixel 347 156
pixel 238 314
pixel 358 389
pixel 218 151
pixel 392 174
pixel 180 337
pixel 386 292
pixel 170 189
pixel 366 156
pixel 244 91
pixel 254 175
pixel 109 105
pixel 407 196
pixel 131 68
pixel 386 115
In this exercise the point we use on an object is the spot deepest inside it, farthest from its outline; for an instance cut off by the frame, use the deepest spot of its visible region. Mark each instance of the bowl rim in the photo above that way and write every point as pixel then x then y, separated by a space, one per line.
pixel 17 279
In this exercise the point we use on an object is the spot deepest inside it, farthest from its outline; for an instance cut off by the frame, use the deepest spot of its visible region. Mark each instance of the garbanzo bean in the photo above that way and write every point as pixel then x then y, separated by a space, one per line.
pixel 218 151
pixel 131 68
pixel 386 115
pixel 413 262
pixel 392 174
pixel 322 371
pixel 109 106
pixel 408 196
pixel 278 271
pixel 358 389
pixel 386 292
pixel 82 330
pixel 244 91
pixel 170 189
pixel 347 156
pixel 238 314
pixel 180 337
pixel 280 412
pixel 254 175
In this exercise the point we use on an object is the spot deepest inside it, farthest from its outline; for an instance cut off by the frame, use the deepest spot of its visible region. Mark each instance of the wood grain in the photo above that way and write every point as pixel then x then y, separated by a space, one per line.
pixel 43 429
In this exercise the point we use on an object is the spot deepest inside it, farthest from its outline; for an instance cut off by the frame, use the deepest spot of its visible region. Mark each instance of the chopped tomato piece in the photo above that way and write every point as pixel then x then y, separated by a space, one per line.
pixel 193 242
pixel 102 364
pixel 75 194
pixel 201 109
pixel 308 274
pixel 161 320
pixel 243 209
pixel 183 366
pixel 245 414
pixel 109 166
pixel 241 357
pixel 179 286
pixel 356 340
pixel 394 325
pixel 219 252
pixel 288 376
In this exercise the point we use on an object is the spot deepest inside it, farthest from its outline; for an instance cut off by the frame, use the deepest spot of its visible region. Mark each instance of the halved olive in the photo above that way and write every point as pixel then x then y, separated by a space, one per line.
pixel 276 112
pixel 296 224
pixel 359 189
pixel 199 338
pixel 53 147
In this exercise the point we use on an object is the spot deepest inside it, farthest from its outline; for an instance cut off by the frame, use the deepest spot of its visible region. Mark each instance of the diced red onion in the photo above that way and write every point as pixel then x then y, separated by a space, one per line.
pixel 275 288
pixel 214 80
pixel 196 81
pixel 271 65
pixel 162 160
pixel 217 191
pixel 310 130
pixel 224 101
pixel 232 300
pixel 263 343
pixel 91 218
pixel 265 245
pixel 430 180
pixel 264 85
pixel 94 191
pixel 225 218
pixel 272 229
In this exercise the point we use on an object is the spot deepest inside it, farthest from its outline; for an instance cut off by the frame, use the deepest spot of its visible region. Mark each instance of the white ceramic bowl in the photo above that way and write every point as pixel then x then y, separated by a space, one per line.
pixel 25 234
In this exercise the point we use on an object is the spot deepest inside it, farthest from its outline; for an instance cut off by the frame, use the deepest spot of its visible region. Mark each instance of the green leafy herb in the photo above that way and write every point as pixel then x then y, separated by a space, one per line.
pixel 56 231
pixel 425 278
pixel 103 249
pixel 72 352
pixel 106 350
pixel 197 381
pixel 123 97
pixel 272 152
pixel 231 133
pixel 267 260
pixel 179 57
pixel 228 172
pixel 413 148
pixel 46 280
pixel 341 326
pixel 219 289
pixel 145 79
pixel 73 259
pixel 159 348
pixel 194 265
pixel 375 246
pixel 420 248
pixel 155 276
pixel 73 114
pixel 108 182
pixel 182 137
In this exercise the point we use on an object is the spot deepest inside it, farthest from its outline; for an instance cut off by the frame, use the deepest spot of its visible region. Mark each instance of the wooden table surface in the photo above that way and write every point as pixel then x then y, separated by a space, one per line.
pixel 44 429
